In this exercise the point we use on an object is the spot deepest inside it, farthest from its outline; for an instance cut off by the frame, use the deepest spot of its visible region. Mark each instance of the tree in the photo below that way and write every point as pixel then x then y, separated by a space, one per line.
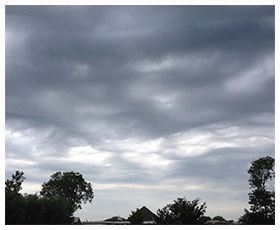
pixel 48 210
pixel 115 218
pixel 260 171
pixel 70 186
pixel 136 217
pixel 261 198
pixel 14 201
pixel 205 219
pixel 230 221
pixel 182 211
pixel 219 218
pixel 57 210
pixel 14 207
pixel 32 209
pixel 15 184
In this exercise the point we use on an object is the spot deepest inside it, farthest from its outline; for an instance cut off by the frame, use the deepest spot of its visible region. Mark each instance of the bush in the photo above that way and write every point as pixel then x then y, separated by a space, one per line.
pixel 32 209
pixel 182 211
pixel 136 217
pixel 14 207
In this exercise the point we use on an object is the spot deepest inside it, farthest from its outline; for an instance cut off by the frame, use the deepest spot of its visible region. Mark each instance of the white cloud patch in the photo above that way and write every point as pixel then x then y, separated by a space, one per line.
pixel 87 154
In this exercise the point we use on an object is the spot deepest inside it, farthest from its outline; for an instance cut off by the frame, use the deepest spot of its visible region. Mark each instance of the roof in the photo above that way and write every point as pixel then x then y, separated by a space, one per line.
pixel 147 214
pixel 76 220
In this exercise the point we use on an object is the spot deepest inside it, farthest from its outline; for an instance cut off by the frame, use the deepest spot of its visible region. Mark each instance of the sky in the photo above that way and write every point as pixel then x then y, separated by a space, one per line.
pixel 148 103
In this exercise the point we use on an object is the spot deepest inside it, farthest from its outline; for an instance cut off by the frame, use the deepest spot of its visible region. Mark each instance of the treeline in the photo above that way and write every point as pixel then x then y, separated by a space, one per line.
pixel 262 196
pixel 32 209
pixel 261 200
pixel 59 198
pixel 180 212
pixel 63 194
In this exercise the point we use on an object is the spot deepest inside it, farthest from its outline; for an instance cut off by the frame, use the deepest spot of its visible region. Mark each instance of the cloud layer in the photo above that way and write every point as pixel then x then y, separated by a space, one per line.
pixel 147 102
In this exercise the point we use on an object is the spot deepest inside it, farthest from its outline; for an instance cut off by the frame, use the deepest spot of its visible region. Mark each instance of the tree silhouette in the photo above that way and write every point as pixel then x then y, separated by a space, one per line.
pixel 70 186
pixel 219 218
pixel 261 198
pixel 15 184
pixel 182 211
pixel 32 209
pixel 136 217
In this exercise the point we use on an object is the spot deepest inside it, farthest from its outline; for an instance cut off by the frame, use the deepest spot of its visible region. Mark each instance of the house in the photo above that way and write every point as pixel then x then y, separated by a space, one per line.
pixel 115 220
pixel 105 222
pixel 148 216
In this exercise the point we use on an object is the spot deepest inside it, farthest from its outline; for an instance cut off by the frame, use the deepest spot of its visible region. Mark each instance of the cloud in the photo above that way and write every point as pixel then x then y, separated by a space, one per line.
pixel 141 99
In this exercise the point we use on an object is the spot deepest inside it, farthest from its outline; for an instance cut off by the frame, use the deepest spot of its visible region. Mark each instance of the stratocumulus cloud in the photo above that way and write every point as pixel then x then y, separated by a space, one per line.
pixel 149 103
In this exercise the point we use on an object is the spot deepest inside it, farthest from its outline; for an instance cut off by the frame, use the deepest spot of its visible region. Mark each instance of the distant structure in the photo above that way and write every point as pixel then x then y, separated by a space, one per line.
pixel 219 222
pixel 120 218
pixel 148 216
pixel 115 218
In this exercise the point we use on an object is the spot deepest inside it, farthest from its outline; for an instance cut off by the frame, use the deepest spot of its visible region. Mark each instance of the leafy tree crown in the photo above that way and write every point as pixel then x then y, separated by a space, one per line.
pixel 261 199
pixel 182 211
pixel 15 184
pixel 69 185
pixel 260 171
pixel 136 217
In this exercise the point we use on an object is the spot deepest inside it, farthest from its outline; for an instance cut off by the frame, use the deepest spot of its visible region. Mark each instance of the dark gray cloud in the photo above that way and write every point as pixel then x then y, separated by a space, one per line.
pixel 141 98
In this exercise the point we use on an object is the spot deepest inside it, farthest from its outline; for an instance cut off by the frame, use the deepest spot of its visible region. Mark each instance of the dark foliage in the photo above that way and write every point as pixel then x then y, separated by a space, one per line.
pixel 261 199
pixel 205 218
pixel 14 207
pixel 70 186
pixel 219 218
pixel 14 201
pixel 256 218
pixel 182 211
pixel 33 209
pixel 15 183
pixel 136 217
pixel 115 218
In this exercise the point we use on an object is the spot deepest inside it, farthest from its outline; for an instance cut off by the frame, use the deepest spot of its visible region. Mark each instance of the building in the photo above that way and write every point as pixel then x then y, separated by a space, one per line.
pixel 148 216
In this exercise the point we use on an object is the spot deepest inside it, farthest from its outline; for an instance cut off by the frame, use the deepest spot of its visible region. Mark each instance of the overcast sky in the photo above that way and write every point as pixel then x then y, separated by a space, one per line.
pixel 149 103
